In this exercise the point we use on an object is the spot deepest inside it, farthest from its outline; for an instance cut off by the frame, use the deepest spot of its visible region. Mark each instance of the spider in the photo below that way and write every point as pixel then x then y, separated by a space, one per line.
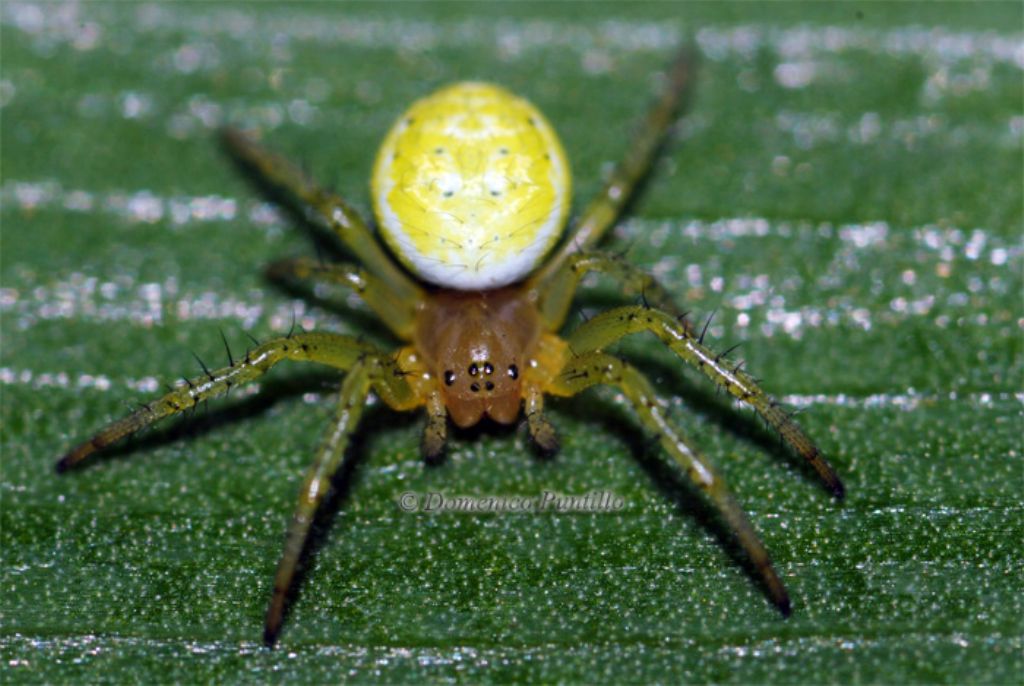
pixel 471 190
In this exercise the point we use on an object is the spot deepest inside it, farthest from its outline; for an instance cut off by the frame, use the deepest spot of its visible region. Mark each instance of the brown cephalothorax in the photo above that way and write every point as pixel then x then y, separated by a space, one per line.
pixel 479 344
pixel 471 189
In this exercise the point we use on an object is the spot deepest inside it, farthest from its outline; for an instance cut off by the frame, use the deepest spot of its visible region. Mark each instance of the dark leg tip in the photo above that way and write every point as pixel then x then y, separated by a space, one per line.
pixel 63 464
pixel 434 442
pixel 784 607
pixel 552 448
pixel 269 638
pixel 838 490
pixel 549 447
pixel 231 137
pixel 545 438
pixel 433 451
pixel 433 459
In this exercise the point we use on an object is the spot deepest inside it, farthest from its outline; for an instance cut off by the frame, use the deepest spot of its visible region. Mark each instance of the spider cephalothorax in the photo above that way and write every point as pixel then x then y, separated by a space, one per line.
pixel 471 190
pixel 479 345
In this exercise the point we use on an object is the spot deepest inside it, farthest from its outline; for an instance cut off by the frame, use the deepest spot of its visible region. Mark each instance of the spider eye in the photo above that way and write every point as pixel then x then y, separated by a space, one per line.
pixel 449 377
pixel 473 369
pixel 489 386
pixel 475 387
pixel 488 369
pixel 513 371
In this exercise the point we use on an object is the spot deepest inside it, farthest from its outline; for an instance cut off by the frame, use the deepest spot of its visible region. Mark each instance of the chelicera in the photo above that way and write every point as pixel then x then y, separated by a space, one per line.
pixel 471 191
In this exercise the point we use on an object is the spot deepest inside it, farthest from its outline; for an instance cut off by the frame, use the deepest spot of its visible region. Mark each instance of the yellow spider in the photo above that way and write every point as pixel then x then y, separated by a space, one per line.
pixel 471 190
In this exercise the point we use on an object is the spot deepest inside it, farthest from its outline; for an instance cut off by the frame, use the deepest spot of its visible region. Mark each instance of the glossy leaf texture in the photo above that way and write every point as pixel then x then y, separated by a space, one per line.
pixel 846 195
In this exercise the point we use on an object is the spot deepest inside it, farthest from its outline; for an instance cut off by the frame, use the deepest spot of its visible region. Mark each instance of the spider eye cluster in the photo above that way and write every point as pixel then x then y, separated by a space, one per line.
pixel 482 376
pixel 471 187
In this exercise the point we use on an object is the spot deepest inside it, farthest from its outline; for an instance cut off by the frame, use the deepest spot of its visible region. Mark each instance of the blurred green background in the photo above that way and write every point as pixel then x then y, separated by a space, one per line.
pixel 846 193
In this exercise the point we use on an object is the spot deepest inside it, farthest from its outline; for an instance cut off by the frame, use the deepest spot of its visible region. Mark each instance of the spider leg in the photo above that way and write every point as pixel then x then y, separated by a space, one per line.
pixel 592 368
pixel 604 209
pixel 325 348
pixel 436 432
pixel 541 430
pixel 608 327
pixel 557 291
pixel 379 373
pixel 328 207
pixel 398 314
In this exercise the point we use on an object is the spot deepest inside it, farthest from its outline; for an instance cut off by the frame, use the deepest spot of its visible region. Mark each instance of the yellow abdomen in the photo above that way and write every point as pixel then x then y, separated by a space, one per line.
pixel 471 187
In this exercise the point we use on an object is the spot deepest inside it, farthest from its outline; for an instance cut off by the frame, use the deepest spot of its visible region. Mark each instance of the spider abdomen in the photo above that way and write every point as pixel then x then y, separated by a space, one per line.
pixel 471 187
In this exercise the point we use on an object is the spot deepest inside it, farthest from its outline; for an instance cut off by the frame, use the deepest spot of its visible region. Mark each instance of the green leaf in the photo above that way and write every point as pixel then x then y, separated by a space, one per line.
pixel 846 194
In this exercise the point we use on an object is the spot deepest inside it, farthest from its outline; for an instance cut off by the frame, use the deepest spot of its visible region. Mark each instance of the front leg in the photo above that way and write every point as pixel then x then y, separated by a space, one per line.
pixel 379 373
pixel 608 327
pixel 594 368
pixel 325 348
